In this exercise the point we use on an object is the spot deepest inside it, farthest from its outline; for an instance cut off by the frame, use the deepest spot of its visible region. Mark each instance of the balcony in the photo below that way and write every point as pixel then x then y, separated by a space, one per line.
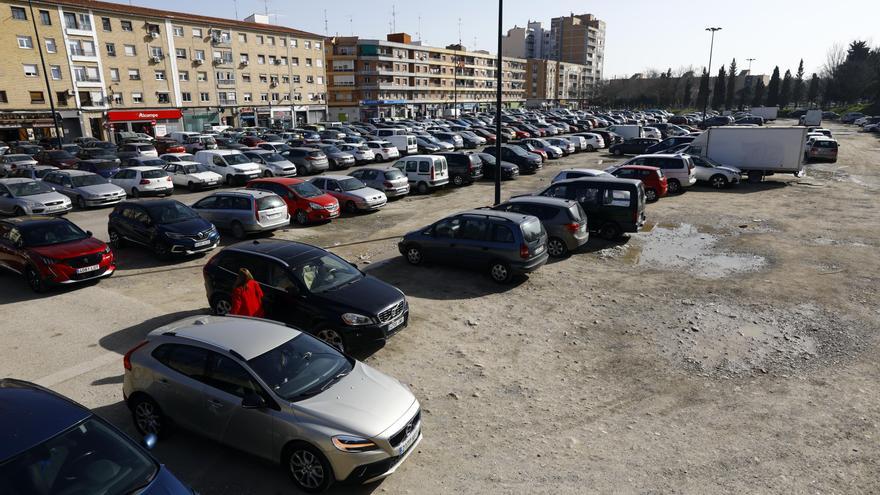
pixel 225 82
pixel 221 41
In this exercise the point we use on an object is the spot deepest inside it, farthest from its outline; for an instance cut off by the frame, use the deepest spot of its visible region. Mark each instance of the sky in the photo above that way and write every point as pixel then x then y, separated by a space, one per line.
pixel 640 34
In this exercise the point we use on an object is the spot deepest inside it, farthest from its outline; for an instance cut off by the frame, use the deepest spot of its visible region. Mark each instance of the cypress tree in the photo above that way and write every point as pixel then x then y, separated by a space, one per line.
pixel 798 90
pixel 719 93
pixel 785 90
pixel 731 86
pixel 773 89
pixel 758 98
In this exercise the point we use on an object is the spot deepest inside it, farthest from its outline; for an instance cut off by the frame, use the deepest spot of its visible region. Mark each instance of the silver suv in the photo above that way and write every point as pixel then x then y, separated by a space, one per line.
pixel 276 393
pixel 244 211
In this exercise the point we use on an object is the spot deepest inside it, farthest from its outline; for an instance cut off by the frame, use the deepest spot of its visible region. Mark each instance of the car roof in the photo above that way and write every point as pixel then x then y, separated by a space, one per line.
pixel 378 167
pixel 561 202
pixel 16 180
pixel 637 167
pixel 282 250
pixel 658 155
pixel 143 168
pixel 149 202
pixel 255 193
pixel 285 181
pixel 32 415
pixel 610 180
pixel 259 151
pixel 143 158
pixel 74 173
pixel 248 337
pixel 333 176
pixel 502 215
pixel 32 219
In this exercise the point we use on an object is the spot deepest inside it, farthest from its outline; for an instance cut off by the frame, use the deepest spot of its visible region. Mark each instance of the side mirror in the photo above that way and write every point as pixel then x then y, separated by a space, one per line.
pixel 253 401
pixel 89 233
pixel 149 441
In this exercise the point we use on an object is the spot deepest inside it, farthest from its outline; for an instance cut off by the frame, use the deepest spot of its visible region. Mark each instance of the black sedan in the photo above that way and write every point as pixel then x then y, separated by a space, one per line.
pixel 633 146
pixel 509 171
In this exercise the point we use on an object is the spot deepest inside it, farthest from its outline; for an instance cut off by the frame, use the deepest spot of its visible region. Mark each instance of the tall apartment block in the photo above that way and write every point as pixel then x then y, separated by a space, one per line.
pixel 579 39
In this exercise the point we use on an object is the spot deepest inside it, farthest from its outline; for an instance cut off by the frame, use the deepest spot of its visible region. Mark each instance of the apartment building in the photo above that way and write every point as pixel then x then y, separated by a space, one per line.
pixel 553 83
pixel 532 41
pixel 116 67
pixel 579 39
pixel 398 77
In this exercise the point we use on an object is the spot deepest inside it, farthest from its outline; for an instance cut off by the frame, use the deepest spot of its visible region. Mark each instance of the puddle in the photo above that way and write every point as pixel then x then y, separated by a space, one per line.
pixel 687 248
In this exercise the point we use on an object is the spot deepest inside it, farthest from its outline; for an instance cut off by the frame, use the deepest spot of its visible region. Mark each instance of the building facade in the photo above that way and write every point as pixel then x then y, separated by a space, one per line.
pixel 579 39
pixel 552 83
pixel 399 77
pixel 532 41
pixel 116 67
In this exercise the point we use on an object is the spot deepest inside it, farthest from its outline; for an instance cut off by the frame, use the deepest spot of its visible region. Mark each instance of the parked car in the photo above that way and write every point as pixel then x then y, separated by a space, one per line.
pixel 383 150
pixel 577 173
pixel 192 175
pixel 503 244
pixel 244 211
pixel 57 158
pixel 509 171
pixel 427 147
pixel 144 181
pixel 85 189
pixel 339 160
pixel 27 149
pixel 464 167
pixel 822 148
pixel 653 179
pixel 565 145
pixel 305 202
pixel 225 143
pixel 131 150
pixel 424 172
pixel 353 195
pixel 669 143
pixel 633 146
pixel 8 163
pixel 361 152
pixel 652 132
pixel 389 180
pixel 307 160
pixel 550 151
pixel 251 141
pixel 613 205
pixel 563 219
pixel 233 165
pixel 749 120
pixel 143 161
pixel 608 138
pixel 199 142
pixel 49 251
pixel 22 196
pixel 168 145
pixel 33 172
pixel 678 169
pixel 58 446
pixel 528 163
pixel 717 175
pixel 271 163
pixel 312 289
pixel 166 227
pixel 178 157
pixel 717 121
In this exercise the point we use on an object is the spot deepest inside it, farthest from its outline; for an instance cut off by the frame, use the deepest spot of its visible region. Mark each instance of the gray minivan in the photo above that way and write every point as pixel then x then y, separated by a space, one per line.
pixel 563 219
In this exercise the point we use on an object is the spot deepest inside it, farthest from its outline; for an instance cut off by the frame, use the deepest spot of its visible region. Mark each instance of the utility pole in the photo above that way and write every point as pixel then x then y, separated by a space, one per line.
pixel 39 43
pixel 498 79
pixel 750 60
pixel 709 70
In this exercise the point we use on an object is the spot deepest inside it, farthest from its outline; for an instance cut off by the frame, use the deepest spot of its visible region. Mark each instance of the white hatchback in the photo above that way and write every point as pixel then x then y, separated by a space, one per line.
pixel 143 181
pixel 192 175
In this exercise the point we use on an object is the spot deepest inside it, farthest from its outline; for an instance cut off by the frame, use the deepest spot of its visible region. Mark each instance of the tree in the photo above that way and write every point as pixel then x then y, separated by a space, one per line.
pixel 797 91
pixel 758 98
pixel 813 92
pixel 731 86
pixel 785 90
pixel 720 90
pixel 703 91
pixel 773 89
pixel 688 90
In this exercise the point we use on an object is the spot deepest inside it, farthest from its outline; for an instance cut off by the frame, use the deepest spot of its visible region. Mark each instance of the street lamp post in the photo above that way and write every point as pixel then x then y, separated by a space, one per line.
pixel 39 43
pixel 709 70
pixel 750 60
pixel 498 79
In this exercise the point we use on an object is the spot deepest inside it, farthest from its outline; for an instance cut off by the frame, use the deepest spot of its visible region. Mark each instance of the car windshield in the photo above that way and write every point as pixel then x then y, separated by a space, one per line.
pixel 172 212
pixel 237 159
pixel 89 457
pixel 331 149
pixel 28 188
pixel 326 273
pixel 189 169
pixel 394 174
pixel 306 190
pixel 153 163
pixel 185 158
pixel 301 367
pixel 153 174
pixel 50 233
pixel 87 180
pixel 105 165
pixel 351 184
pixel 487 158
pixel 60 155
pixel 273 157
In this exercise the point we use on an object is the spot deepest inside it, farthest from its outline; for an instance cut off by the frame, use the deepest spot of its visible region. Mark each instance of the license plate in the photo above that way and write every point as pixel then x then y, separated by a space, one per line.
pixel 408 442
pixel 395 323
pixel 202 243
pixel 87 269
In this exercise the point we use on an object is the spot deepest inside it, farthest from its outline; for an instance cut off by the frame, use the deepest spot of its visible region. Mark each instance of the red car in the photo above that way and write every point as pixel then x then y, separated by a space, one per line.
pixel 305 202
pixel 52 251
pixel 652 177
pixel 250 141
pixel 520 134
pixel 57 158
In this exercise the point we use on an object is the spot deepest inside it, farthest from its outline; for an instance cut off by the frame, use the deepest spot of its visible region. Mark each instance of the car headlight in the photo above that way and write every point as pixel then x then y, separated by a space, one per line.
pixel 356 320
pixel 47 260
pixel 351 443
pixel 172 235
pixel 106 250
pixel 315 206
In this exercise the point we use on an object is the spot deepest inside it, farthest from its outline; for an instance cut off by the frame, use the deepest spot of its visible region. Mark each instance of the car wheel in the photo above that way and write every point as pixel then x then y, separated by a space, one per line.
pixel 331 337
pixel 556 248
pixel 718 181
pixel 500 272
pixel 135 193
pixel 267 173
pixel 308 468
pixel 301 217
pixel 651 195
pixel 422 188
pixel 221 305
pixel 618 152
pixel 674 186
pixel 160 249
pixel 458 180
pixel 191 186
pixel 610 231
pixel 414 254
pixel 18 212
pixel 350 207
pixel 229 180
pixel 377 159
pixel 147 416
pixel 238 230
pixel 34 281
pixel 80 202
pixel 590 147
pixel 116 240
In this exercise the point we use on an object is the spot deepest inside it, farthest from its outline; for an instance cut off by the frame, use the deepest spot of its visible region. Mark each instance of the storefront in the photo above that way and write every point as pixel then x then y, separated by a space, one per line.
pixel 382 109
pixel 196 119
pixel 25 126
pixel 152 122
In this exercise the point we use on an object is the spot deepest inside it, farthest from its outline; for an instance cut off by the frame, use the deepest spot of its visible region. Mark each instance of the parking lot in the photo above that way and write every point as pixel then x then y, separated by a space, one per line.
pixel 729 347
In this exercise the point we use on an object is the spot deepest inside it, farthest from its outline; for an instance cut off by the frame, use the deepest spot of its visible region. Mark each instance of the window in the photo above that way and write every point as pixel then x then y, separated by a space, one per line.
pixel 178 31
pixel 283 60
pixel 272 59
pixel 294 61
pixel 183 75
pixel 156 51
pixel 187 360
pixel 242 38
pixel 319 80
pixel 227 376
pixel 264 79
pixel 320 63
pixel 45 18
pixel 317 45
pixel 186 97
pixel 85 74
pixel 296 78
pixel 244 58
pixel 105 24
pixel 285 79
pixel 199 55
pixel 616 197
pixel 153 29
pixel 30 70
pixel 160 75
pixel 19 14
pixel 201 76
pixel 61 98
pixel 261 59
pixel 264 96
pixel 307 45
pixel 117 99
pixel 51 47
pixel 129 50
pixel 246 77
pixel 114 74
pixel 3 98
pixel 78 21
pixel 163 98
pixel 134 74
pixel 270 40
pixel 81 48
pixel 25 42
pixel 137 97
pixel 247 97
pixel 308 62
pixel 126 25
pixel 204 97
pixel 293 42
pixel 37 97
pixel 55 70
pixel 276 97
pixel 180 52
pixel 259 39
pixel 111 49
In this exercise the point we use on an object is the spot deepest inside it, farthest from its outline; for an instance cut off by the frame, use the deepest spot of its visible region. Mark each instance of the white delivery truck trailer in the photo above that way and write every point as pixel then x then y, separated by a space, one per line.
pixel 627 131
pixel 768 113
pixel 757 151
pixel 813 118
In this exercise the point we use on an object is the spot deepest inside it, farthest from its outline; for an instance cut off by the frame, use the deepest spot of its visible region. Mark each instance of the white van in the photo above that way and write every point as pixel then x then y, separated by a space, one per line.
pixel 182 136
pixel 233 165
pixel 405 143
pixel 424 172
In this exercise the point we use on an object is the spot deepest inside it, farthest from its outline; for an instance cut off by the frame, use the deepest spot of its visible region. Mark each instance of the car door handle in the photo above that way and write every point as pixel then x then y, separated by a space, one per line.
pixel 215 403
pixel 163 381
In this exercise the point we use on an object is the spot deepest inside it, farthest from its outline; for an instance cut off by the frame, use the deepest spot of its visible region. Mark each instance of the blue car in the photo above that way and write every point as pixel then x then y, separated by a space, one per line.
pixel 167 227
pixel 50 444
pixel 104 168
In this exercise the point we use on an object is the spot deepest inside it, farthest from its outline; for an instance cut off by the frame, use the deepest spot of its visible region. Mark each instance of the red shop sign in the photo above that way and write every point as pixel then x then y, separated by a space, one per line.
pixel 145 115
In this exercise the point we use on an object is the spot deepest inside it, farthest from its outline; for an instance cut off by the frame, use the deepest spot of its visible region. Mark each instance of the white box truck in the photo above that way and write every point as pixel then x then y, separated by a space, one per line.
pixel 768 113
pixel 757 151
pixel 627 131
pixel 813 118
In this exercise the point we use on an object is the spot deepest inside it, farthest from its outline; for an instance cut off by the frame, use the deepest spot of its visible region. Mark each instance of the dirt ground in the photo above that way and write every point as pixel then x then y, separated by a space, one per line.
pixel 729 348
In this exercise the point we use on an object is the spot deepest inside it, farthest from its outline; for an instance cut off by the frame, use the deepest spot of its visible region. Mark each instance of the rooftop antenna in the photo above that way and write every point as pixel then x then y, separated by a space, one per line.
pixel 393 18
pixel 351 25
pixel 235 6
pixel 459 30
pixel 266 7
pixel 419 32
pixel 326 31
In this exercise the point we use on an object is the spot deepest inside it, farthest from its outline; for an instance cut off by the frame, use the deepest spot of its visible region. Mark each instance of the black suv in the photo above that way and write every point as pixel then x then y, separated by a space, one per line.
pixel 633 146
pixel 528 163
pixel 312 289
pixel 166 226
pixel 464 167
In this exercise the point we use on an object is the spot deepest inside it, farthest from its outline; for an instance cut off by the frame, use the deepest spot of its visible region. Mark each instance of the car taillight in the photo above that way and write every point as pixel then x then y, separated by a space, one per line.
pixel 168 178
pixel 126 359
pixel 573 227
pixel 145 181
pixel 524 251
pixel 433 172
